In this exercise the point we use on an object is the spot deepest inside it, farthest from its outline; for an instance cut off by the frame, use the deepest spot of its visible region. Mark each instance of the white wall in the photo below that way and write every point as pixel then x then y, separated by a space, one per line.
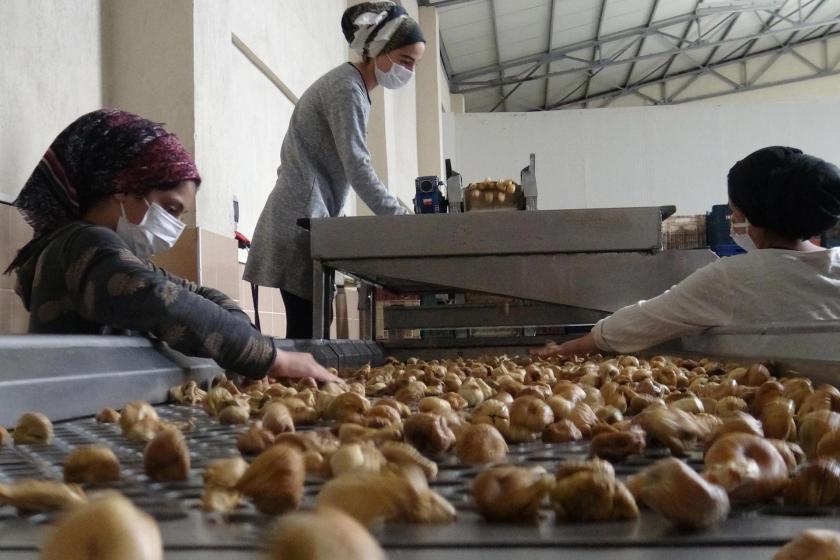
pixel 50 74
pixel 241 116
pixel 637 156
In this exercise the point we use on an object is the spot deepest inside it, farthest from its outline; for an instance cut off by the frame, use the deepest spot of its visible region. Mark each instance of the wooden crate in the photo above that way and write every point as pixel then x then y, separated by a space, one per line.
pixel 684 232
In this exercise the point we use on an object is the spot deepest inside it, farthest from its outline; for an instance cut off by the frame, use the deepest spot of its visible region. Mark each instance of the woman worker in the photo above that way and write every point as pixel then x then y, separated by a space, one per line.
pixel 325 152
pixel 109 192
pixel 780 198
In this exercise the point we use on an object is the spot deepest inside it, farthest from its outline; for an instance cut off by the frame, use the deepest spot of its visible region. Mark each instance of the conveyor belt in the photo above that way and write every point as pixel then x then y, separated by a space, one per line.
pixel 189 533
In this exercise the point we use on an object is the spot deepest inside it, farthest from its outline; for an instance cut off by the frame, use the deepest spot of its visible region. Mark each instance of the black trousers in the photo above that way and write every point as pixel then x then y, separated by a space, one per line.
pixel 299 316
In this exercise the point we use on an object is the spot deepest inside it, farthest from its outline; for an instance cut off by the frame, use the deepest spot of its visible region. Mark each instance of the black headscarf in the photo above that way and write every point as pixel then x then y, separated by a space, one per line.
pixel 374 28
pixel 786 191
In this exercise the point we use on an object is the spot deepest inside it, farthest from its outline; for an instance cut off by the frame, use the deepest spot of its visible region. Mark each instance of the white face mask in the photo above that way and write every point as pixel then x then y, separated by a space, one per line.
pixel 395 78
pixel 742 240
pixel 157 233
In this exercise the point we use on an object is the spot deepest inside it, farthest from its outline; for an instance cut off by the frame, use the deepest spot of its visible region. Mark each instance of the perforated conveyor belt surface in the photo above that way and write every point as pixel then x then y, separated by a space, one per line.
pixel 189 533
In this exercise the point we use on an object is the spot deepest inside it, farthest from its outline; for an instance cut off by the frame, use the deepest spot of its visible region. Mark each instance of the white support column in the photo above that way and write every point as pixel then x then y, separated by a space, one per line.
pixel 429 102
pixel 377 141
pixel 148 64
pixel 458 103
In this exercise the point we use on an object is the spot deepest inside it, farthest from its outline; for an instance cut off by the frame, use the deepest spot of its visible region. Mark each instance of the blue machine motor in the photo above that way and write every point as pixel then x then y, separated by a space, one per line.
pixel 717 231
pixel 429 198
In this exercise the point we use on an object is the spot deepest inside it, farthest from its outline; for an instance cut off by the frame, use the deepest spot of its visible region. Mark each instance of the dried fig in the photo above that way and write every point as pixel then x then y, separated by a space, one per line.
pixel 276 418
pixel 508 493
pixel 673 489
pixel 91 464
pixel 429 433
pixel 478 444
pixel 33 496
pixel 324 534
pixel 256 440
pixel 590 492
pixel 167 457
pixel 108 416
pixel 110 528
pixel 33 427
pixel 220 479
pixel 811 544
pixel 356 457
pixel 274 481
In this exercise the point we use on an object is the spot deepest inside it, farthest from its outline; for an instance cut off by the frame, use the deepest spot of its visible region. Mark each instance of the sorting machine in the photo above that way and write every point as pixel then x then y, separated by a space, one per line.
pixel 560 267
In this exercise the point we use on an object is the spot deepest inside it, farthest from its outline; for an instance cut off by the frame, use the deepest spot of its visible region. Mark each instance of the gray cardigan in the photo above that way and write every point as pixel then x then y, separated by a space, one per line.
pixel 324 153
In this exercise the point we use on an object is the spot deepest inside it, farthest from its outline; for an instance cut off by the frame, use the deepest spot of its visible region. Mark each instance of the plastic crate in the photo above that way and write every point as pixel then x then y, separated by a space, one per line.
pixel 727 250
pixel 684 232
pixel 718 225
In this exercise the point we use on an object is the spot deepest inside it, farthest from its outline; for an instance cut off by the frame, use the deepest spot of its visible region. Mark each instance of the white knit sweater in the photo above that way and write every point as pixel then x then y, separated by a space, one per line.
pixel 762 287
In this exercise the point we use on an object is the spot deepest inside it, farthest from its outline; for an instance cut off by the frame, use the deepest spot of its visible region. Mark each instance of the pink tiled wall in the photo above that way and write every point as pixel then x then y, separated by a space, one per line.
pixel 14 233
pixel 272 312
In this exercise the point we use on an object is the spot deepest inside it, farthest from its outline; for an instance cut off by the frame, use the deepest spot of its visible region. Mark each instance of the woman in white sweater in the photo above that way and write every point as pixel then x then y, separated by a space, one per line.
pixel 780 199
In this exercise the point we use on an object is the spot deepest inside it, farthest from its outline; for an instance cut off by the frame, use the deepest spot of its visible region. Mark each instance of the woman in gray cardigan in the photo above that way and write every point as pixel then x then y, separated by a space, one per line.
pixel 325 152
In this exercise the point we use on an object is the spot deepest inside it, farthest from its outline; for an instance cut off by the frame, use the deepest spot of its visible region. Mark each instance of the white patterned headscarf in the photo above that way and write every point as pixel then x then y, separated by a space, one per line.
pixel 374 28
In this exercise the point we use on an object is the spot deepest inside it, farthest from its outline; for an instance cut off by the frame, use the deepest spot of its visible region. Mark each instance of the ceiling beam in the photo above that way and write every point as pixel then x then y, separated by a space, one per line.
pixel 505 97
pixel 819 5
pixel 746 48
pixel 563 52
pixel 492 4
pixel 444 58
pixel 466 87
pixel 442 3
pixel 667 67
pixel 695 73
pixel 766 85
pixel 597 71
pixel 641 44
pixel 552 7
pixel 658 27
pixel 596 48
pixel 726 33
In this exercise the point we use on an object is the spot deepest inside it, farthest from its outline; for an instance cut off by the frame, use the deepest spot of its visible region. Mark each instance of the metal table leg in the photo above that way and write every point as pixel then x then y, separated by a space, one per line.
pixel 321 282
pixel 367 312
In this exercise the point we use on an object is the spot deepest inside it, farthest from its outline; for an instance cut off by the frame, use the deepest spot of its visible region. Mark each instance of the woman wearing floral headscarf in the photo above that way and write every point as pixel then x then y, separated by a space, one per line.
pixel 109 192
pixel 325 153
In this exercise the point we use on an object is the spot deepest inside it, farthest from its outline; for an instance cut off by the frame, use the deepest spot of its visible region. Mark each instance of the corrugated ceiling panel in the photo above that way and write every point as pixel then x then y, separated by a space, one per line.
pixel 468 34
pixel 672 8
pixel 574 21
pixel 509 10
pixel 608 79
pixel 624 14
pixel 528 97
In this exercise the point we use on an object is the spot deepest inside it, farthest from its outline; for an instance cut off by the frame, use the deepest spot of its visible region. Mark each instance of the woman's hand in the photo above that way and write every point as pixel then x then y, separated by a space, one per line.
pixel 300 364
pixel 578 347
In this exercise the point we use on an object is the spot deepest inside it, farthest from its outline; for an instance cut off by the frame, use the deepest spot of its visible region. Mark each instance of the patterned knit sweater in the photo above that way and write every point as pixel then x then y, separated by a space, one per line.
pixel 83 279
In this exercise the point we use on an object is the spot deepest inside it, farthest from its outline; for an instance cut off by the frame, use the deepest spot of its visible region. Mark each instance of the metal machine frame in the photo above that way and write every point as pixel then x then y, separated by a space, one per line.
pixel 583 263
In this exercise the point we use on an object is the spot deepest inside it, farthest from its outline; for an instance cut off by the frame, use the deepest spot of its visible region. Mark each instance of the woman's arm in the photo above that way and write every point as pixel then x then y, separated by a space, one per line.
pixel 113 287
pixel 346 117
pixel 219 298
pixel 701 301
